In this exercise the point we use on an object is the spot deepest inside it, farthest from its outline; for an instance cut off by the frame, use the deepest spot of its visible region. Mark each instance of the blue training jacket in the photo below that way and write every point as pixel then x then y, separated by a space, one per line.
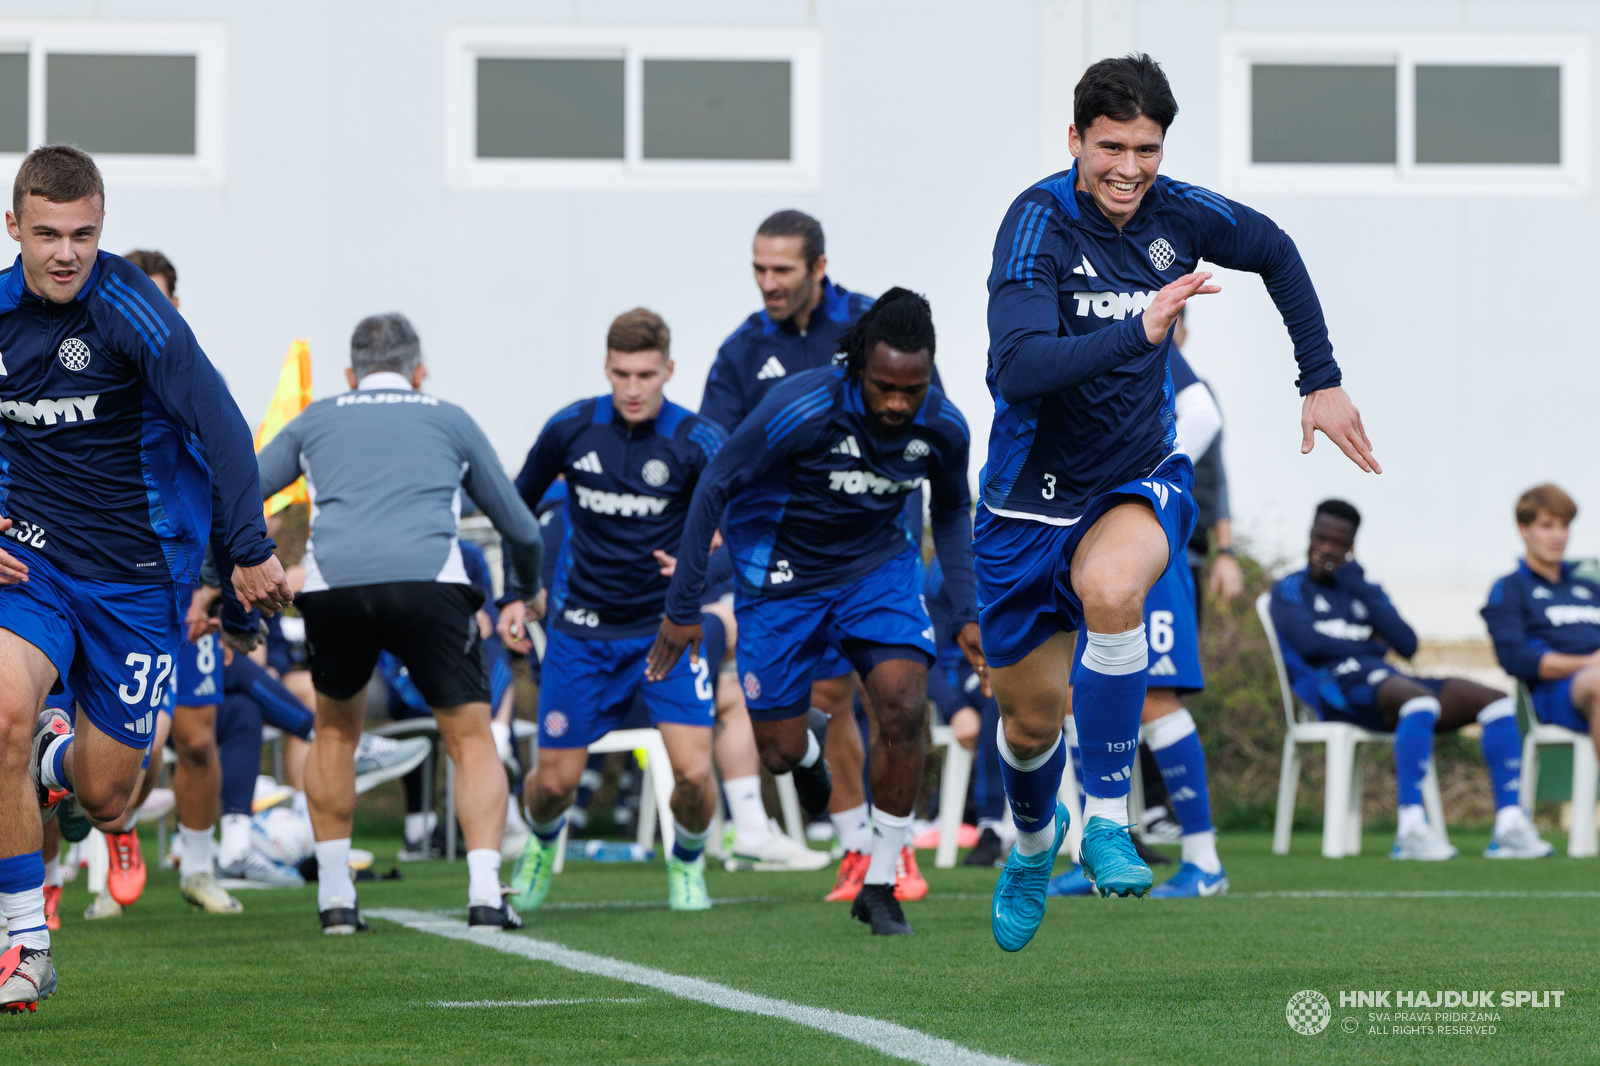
pixel 1083 401
pixel 1528 616
pixel 1323 627
pixel 117 431
pixel 814 498
pixel 628 491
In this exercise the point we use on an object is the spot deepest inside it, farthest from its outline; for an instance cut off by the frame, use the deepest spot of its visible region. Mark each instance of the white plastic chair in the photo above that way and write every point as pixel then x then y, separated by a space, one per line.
pixel 1582 842
pixel 953 782
pixel 656 796
pixel 1341 804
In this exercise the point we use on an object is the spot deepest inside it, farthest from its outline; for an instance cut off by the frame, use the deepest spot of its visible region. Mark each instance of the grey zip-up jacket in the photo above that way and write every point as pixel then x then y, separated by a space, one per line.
pixel 385 467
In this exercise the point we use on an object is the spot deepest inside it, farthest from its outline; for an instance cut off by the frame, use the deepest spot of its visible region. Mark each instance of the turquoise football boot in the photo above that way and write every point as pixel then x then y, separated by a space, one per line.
pixel 1110 861
pixel 1019 894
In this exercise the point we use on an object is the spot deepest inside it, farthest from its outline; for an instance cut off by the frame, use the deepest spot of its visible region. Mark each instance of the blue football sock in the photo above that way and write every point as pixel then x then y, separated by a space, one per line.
pixel 1502 750
pixel 1031 784
pixel 687 845
pixel 547 832
pixel 1177 750
pixel 989 796
pixel 1107 699
pixel 1413 747
pixel 55 763
pixel 1075 753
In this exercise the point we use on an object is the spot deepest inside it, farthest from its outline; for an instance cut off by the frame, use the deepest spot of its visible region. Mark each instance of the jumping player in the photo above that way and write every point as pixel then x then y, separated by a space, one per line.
pixel 1086 501
pixel 1336 627
pixel 107 504
pixel 814 484
pixel 632 460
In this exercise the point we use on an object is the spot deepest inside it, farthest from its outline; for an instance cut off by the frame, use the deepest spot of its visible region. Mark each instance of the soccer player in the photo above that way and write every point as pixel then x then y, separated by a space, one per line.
pixel 803 315
pixel 632 460
pixel 813 484
pixel 1335 628
pixel 386 466
pixel 1086 501
pixel 1545 620
pixel 106 506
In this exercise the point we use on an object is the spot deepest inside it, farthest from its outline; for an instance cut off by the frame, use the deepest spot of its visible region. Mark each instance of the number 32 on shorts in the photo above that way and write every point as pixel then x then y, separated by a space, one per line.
pixel 141 675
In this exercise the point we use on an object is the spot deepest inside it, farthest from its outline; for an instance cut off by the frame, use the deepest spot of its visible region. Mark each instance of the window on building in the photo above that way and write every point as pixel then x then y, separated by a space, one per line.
pixel 582 108
pixel 146 99
pixel 1427 113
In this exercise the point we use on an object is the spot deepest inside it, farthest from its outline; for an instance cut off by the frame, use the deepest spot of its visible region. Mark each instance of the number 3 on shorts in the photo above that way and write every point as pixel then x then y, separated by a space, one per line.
pixel 141 674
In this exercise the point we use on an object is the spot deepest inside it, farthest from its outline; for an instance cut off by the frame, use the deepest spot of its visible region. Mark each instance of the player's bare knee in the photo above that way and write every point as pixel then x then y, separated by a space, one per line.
pixel 696 775
pixel 1028 736
pixel 1113 600
pixel 16 732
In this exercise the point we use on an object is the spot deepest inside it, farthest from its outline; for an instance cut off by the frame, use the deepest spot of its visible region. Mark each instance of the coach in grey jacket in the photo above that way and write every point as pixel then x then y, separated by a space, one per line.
pixel 386 466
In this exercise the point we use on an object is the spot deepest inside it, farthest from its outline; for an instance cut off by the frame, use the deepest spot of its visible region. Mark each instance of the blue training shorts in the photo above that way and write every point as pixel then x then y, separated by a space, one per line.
pixel 113 643
pixel 1552 705
pixel 782 639
pixel 1172 633
pixel 1349 691
pixel 587 687
pixel 1024 582
pixel 200 672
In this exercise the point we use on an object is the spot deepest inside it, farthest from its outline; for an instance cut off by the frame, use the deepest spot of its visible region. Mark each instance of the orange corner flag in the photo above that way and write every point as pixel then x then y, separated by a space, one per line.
pixel 292 396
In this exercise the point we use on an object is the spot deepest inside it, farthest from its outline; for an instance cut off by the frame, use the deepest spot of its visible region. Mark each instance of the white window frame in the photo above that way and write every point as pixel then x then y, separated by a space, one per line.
pixel 1406 51
pixel 801 48
pixel 207 42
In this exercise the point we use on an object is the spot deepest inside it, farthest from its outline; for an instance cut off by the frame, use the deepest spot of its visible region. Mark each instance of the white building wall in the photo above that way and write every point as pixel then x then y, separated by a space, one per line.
pixel 1462 323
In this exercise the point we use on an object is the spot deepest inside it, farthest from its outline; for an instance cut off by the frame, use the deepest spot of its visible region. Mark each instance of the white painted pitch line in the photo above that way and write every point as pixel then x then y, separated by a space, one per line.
pixel 528 1002
pixel 887 1037
pixel 1439 893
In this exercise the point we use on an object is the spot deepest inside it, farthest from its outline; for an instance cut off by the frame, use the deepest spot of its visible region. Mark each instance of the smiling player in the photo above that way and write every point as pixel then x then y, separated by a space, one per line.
pixel 1086 500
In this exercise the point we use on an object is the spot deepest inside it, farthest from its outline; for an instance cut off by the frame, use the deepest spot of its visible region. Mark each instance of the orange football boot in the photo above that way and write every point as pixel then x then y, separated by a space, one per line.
pixel 852 873
pixel 52 907
pixel 125 879
pixel 909 884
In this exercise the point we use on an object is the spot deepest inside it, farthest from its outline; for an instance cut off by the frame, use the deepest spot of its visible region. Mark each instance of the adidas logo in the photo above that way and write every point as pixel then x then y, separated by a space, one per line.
pixel 141 726
pixel 1184 795
pixel 208 687
pixel 589 464
pixel 771 369
pixel 1159 488
pixel 1085 268
pixel 848 446
pixel 1320 605
pixel 1543 594
pixel 1163 667
pixel 1120 775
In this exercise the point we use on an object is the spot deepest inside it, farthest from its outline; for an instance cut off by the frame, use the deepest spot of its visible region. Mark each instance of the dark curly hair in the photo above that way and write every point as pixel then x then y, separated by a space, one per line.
pixel 900 318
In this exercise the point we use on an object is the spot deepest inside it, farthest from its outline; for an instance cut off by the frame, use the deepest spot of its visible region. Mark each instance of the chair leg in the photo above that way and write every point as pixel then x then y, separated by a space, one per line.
pixel 561 851
pixel 1072 841
pixel 1288 787
pixel 99 861
pixel 1581 840
pixel 1433 803
pixel 794 823
pixel 1528 787
pixel 645 831
pixel 1336 795
pixel 449 809
pixel 1358 780
pixel 952 801
pixel 661 778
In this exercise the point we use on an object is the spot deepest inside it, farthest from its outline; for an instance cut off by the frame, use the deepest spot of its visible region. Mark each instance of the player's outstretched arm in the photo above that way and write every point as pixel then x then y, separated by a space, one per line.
pixel 1333 412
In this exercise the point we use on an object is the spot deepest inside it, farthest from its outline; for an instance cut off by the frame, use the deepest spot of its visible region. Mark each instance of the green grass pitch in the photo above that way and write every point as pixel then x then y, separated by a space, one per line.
pixel 1105 982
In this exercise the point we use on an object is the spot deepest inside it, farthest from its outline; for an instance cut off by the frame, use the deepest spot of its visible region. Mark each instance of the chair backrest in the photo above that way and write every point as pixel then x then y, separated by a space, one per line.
pixel 1264 611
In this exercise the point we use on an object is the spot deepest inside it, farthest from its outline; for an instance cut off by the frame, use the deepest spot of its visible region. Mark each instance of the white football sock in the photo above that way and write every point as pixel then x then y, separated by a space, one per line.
pixel 888 837
pixel 419 827
pixel 52 873
pixel 1113 808
pixel 1201 849
pixel 813 750
pixel 745 806
pixel 235 839
pixel 198 850
pixel 1411 817
pixel 334 886
pixel 25 911
pixel 483 877
pixel 854 828
pixel 300 806
pixel 1506 819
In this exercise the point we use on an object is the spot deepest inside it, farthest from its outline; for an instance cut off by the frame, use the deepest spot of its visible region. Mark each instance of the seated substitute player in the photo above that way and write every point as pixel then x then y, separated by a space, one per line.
pixel 386 466
pixel 1545 619
pixel 1335 628
pixel 632 460
pixel 106 504
pixel 813 487
pixel 1086 502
